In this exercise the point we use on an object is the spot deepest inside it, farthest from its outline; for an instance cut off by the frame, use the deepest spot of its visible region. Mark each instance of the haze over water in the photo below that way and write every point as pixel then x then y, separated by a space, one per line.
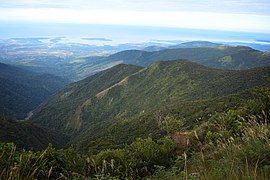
pixel 131 21
pixel 116 34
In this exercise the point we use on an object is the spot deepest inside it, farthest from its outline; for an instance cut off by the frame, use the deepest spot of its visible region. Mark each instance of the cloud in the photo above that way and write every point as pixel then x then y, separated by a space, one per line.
pixel 235 15
pixel 197 20
pixel 221 6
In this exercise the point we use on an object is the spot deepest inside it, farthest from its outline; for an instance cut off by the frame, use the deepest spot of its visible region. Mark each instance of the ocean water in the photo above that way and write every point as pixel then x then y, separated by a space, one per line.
pixel 119 34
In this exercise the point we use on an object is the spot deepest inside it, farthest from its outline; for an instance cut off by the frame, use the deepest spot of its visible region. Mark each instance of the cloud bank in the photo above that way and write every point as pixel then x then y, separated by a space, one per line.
pixel 232 15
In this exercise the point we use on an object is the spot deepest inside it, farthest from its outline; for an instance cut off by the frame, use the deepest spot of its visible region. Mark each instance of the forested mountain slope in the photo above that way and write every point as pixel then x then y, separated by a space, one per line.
pixel 27 135
pixel 62 110
pixel 21 91
pixel 86 110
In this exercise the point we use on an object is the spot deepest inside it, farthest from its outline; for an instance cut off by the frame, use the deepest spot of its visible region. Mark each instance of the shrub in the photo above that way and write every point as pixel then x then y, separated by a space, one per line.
pixel 112 162
pixel 146 154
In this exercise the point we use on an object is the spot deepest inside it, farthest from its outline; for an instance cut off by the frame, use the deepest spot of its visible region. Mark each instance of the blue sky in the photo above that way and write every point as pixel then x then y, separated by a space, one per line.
pixel 230 15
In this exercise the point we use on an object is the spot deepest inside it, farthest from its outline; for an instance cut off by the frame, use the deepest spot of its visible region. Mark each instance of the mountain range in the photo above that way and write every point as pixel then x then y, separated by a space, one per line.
pixel 217 56
pixel 114 106
pixel 75 61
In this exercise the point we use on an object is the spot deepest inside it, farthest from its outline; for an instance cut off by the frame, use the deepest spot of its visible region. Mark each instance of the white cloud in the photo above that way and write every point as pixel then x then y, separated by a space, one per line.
pixel 198 20
pixel 235 15
pixel 221 6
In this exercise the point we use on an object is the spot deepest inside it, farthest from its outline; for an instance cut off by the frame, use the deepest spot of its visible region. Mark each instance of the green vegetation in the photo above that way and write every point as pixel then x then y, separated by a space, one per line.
pixel 63 110
pixel 118 105
pixel 21 91
pixel 232 144
pixel 27 135
pixel 139 159
pixel 170 120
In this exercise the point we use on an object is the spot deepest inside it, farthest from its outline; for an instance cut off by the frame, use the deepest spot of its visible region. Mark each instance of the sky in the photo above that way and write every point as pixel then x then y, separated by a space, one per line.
pixel 225 15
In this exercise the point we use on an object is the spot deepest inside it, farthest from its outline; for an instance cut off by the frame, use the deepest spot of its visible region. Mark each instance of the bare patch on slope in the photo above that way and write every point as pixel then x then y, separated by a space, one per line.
pixel 75 122
pixel 105 92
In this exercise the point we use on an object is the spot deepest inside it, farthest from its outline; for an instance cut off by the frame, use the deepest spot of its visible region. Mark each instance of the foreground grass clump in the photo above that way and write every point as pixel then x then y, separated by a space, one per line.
pixel 230 145
pixel 49 163
pixel 137 160
pixel 214 152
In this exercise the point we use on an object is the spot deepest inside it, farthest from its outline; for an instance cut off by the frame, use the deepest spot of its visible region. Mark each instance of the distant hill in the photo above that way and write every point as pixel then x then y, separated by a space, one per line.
pixel 27 135
pixel 22 91
pixel 154 48
pixel 225 57
pixel 95 111
pixel 195 44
